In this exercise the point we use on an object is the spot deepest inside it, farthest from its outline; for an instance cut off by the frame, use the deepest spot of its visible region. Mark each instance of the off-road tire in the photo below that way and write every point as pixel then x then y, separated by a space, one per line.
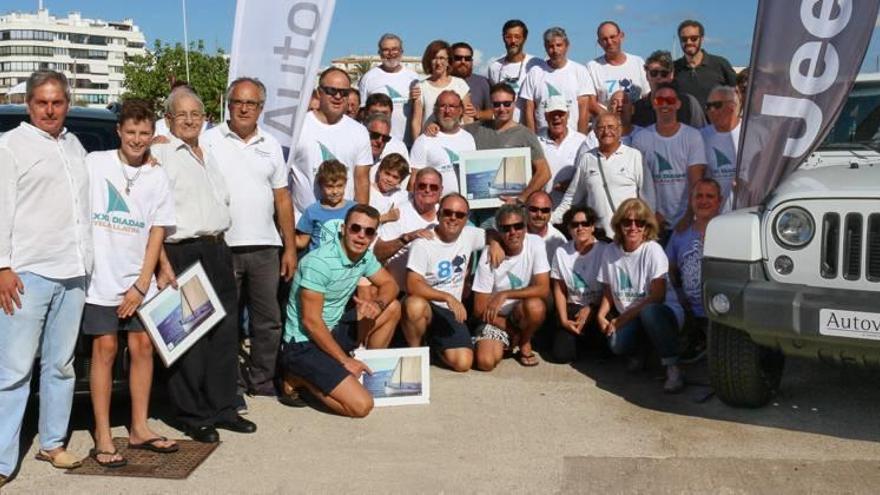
pixel 743 373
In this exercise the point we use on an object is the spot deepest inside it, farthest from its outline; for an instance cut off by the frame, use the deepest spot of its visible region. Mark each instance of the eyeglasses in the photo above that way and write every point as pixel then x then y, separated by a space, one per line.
pixel 334 92
pixel 357 228
pixel 630 222
pixel 659 73
pixel 462 58
pixel 511 227
pixel 535 209
pixel 246 104
pixel 692 39
pixel 446 212
pixel 602 128
pixel 378 135
pixel 574 224
pixel 505 104
pixel 423 186
pixel 191 115
pixel 665 100
pixel 715 105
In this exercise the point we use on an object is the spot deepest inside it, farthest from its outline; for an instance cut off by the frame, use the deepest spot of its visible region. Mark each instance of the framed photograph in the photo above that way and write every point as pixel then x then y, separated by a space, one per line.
pixel 176 319
pixel 400 376
pixel 487 175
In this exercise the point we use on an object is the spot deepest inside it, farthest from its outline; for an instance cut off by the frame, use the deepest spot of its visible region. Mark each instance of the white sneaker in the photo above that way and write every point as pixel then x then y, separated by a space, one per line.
pixel 674 380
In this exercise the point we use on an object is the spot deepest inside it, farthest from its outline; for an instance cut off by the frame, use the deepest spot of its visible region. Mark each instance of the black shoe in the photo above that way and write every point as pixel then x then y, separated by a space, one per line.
pixel 238 425
pixel 204 434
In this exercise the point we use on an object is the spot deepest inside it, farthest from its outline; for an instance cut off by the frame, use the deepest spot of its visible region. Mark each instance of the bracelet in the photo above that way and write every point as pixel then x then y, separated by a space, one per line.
pixel 139 291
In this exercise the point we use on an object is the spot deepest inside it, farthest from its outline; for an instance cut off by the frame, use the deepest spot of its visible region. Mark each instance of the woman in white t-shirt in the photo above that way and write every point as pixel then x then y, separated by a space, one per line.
pixel 636 305
pixel 435 63
pixel 132 204
pixel 576 292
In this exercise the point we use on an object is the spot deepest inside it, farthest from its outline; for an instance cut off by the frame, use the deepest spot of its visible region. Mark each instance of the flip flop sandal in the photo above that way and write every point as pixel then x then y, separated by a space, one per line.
pixel 63 460
pixel 152 447
pixel 527 360
pixel 94 453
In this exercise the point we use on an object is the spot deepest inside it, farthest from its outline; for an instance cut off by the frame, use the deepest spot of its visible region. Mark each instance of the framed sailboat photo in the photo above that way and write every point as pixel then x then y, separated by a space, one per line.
pixel 487 176
pixel 176 319
pixel 400 376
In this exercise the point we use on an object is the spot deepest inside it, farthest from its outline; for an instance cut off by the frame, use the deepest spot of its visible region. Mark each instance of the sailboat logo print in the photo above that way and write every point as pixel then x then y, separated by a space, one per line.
pixel 515 282
pixel 623 281
pixel 114 199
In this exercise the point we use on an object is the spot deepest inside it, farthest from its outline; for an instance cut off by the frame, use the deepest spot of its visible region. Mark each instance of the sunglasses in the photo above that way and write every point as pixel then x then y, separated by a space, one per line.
pixel 692 39
pixel 357 228
pixel 462 58
pixel 428 187
pixel 629 222
pixel 576 224
pixel 459 215
pixel 512 227
pixel 658 73
pixel 378 135
pixel 535 209
pixel 715 105
pixel 665 100
pixel 334 92
pixel 505 104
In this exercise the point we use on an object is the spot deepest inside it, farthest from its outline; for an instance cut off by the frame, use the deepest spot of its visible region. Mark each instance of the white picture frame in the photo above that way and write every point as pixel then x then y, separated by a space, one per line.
pixel 485 176
pixel 171 332
pixel 411 363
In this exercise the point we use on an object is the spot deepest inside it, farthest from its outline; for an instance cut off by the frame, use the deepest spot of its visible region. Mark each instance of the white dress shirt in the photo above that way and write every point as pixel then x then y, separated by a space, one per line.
pixel 201 200
pixel 45 224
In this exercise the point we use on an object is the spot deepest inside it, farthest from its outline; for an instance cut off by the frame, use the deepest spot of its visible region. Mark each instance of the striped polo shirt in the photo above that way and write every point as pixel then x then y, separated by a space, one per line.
pixel 327 270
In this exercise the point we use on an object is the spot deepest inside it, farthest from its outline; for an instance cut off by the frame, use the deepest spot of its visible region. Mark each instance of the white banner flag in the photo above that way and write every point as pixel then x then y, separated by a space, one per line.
pixel 280 42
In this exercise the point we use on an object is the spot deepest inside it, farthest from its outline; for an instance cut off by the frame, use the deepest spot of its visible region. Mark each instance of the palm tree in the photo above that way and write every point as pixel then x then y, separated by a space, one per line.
pixel 360 69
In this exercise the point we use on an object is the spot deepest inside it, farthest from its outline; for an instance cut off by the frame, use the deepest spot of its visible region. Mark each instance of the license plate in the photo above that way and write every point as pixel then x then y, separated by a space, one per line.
pixel 853 324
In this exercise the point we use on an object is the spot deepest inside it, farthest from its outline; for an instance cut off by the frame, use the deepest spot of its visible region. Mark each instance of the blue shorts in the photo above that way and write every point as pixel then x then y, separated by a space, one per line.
pixel 445 332
pixel 307 361
pixel 103 320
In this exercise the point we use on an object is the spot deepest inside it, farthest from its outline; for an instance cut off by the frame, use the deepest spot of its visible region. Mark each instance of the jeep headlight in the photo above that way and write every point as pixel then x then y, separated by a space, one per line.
pixel 794 227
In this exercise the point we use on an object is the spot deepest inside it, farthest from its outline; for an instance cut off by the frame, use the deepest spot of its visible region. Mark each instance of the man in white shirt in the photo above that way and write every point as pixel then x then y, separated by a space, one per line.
pixel 558 77
pixel 252 162
pixel 615 69
pixel 381 103
pixel 393 79
pixel 202 383
pixel 441 152
pixel 722 140
pixel 538 209
pixel 327 134
pixel 607 176
pixel 45 257
pixel 561 146
pixel 513 67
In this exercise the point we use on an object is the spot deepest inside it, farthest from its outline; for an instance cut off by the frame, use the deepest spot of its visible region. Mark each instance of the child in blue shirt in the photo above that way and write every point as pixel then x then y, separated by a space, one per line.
pixel 310 232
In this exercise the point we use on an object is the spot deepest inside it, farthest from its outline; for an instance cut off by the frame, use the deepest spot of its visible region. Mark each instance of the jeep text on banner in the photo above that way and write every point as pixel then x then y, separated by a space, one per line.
pixel 805 58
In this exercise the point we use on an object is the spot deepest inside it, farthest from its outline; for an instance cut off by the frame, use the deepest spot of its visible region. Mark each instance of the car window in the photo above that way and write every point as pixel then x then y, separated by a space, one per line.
pixel 94 134
pixel 859 121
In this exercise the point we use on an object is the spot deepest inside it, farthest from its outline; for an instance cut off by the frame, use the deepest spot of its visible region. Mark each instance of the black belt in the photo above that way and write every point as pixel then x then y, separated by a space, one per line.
pixel 212 239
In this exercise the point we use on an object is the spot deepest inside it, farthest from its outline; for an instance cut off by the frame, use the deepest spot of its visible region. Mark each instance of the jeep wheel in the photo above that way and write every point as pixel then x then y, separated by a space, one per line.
pixel 744 374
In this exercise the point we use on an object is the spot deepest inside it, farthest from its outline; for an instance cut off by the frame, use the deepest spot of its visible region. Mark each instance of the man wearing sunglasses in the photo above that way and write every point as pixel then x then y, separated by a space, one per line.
pixel 328 134
pixel 676 157
pixel 615 69
pixel 513 67
pixel 697 71
pixel 660 70
pixel 463 66
pixel 382 103
pixel 722 139
pixel 393 79
pixel 441 151
pixel 325 323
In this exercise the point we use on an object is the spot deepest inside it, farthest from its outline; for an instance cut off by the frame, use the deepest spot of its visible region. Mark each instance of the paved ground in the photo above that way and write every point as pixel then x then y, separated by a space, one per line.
pixel 589 428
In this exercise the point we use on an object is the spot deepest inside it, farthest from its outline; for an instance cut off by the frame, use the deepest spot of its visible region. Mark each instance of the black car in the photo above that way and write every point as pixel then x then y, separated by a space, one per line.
pixel 96 130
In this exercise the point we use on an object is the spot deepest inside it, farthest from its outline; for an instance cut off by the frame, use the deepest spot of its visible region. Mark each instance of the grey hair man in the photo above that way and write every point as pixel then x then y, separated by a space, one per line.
pixel 722 139
pixel 392 78
pixel 45 257
pixel 441 151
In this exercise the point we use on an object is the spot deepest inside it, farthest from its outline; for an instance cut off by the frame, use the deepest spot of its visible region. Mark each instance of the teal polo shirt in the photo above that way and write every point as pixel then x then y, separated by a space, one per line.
pixel 329 271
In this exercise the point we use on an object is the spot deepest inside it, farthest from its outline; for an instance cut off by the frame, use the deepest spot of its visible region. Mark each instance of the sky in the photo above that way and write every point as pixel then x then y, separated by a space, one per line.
pixel 648 24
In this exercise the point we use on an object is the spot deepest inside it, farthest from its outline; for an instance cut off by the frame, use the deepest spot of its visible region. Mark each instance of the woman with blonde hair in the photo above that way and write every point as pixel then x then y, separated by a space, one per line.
pixel 635 303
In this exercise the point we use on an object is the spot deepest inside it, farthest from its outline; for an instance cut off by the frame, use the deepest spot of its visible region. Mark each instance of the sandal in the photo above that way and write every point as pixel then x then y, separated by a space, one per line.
pixel 152 447
pixel 94 453
pixel 61 460
pixel 527 360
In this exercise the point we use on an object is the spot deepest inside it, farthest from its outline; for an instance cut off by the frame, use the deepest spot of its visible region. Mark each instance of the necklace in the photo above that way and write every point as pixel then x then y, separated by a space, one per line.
pixel 128 181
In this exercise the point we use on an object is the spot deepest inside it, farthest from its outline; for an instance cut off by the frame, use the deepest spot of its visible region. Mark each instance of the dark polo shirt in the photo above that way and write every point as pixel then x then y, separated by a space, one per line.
pixel 700 80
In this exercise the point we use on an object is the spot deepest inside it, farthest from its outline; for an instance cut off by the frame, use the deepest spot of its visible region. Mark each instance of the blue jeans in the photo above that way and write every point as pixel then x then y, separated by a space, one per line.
pixel 48 322
pixel 659 323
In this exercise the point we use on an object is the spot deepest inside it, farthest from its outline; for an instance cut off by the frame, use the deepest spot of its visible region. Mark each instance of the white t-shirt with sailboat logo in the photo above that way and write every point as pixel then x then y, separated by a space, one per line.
pixel 629 275
pixel 579 272
pixel 668 160
pixel 445 265
pixel 609 79
pixel 721 149
pixel 121 223
pixel 442 153
pixel 514 75
pixel 396 86
pixel 569 81
pixel 346 141
pixel 515 272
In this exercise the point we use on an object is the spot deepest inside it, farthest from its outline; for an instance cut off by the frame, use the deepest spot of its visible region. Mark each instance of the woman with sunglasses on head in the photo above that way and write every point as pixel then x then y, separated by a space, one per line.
pixel 510 299
pixel 435 63
pixel 636 305
pixel 576 292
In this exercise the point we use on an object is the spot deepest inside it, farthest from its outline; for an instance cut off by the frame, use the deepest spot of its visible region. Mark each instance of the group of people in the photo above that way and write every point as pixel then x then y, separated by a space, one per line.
pixel 630 160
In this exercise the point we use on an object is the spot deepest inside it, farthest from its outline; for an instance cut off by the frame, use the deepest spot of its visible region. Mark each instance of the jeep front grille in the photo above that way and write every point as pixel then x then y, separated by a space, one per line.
pixel 852 246
pixel 872 270
pixel 830 245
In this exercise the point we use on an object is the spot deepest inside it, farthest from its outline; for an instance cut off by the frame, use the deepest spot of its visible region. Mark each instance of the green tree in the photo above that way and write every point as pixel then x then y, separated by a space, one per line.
pixel 360 69
pixel 150 76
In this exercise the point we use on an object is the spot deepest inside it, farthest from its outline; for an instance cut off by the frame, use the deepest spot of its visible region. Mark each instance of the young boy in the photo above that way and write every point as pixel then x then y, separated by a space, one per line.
pixel 385 191
pixel 310 232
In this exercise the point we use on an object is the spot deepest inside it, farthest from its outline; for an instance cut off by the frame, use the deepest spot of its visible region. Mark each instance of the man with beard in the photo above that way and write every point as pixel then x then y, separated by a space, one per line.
pixel 393 79
pixel 441 151
pixel 462 65
pixel 660 70
pixel 697 71
pixel 513 67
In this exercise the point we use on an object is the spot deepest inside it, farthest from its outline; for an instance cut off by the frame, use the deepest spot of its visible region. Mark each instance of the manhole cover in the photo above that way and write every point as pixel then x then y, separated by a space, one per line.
pixel 146 464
